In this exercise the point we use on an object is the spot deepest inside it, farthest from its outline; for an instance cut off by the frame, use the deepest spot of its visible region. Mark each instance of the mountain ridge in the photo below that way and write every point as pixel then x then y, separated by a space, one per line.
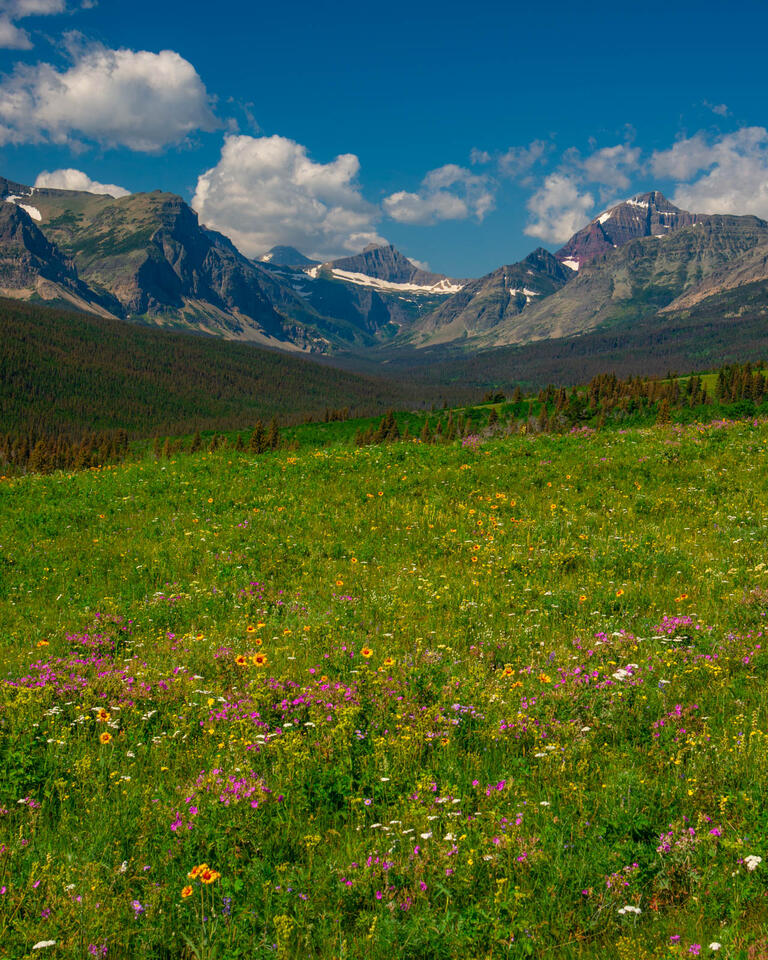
pixel 146 258
pixel 644 215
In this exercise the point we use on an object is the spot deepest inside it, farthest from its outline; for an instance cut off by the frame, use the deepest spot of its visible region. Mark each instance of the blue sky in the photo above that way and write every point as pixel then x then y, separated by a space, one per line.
pixel 465 134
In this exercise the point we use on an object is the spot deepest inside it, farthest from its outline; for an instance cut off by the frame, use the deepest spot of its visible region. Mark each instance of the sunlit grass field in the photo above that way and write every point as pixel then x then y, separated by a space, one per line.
pixel 499 699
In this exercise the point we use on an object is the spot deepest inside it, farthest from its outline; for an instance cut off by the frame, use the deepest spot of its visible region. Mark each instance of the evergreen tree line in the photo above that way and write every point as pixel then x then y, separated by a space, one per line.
pixel 42 454
pixel 32 453
pixel 605 397
pixel 261 440
pixel 441 429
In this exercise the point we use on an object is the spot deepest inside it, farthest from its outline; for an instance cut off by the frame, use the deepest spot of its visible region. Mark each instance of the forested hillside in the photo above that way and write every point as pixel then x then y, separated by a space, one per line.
pixel 63 372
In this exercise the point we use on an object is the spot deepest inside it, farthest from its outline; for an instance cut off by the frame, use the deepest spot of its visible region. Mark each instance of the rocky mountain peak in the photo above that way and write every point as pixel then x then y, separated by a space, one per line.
pixel 644 215
pixel 283 256
pixel 385 263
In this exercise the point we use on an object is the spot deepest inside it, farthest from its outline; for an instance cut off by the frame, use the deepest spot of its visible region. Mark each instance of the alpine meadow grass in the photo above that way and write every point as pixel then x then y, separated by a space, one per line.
pixel 505 698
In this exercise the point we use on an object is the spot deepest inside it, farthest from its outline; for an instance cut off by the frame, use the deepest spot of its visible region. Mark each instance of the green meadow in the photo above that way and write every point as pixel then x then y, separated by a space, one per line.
pixel 496 698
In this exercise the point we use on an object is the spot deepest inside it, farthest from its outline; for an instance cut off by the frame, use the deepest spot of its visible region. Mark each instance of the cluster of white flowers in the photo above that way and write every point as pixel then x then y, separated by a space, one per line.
pixel 752 862
pixel 715 945
pixel 628 908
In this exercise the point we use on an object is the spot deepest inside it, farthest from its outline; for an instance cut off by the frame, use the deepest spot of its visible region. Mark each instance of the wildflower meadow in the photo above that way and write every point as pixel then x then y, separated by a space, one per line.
pixel 487 699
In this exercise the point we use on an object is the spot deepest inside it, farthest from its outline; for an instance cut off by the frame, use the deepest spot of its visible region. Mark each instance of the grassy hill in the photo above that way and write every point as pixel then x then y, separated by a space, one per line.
pixel 408 700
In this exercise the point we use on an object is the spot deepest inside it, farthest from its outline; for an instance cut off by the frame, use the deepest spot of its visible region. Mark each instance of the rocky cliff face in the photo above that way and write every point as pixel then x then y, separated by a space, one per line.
pixel 32 266
pixel 646 215
pixel 150 252
pixel 485 303
pixel 25 253
pixel 748 269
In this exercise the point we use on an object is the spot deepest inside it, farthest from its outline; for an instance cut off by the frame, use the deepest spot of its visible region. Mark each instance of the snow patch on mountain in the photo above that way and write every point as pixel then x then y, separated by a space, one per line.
pixel 528 294
pixel 445 286
pixel 32 211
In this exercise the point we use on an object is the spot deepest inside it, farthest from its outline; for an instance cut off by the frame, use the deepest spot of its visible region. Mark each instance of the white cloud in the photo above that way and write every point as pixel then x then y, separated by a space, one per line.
pixel 70 179
pixel 612 166
pixel 13 37
pixel 684 159
pixel 518 161
pixel 32 8
pixel 721 109
pixel 558 209
pixel 266 191
pixel 733 172
pixel 479 156
pixel 447 193
pixel 136 99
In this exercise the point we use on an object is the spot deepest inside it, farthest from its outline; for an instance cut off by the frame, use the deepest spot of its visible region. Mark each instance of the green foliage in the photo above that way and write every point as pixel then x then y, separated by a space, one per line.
pixel 412 699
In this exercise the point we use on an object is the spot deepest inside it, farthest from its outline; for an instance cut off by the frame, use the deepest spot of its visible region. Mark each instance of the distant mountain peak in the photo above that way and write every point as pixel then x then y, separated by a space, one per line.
pixel 285 256
pixel 644 215
pixel 386 263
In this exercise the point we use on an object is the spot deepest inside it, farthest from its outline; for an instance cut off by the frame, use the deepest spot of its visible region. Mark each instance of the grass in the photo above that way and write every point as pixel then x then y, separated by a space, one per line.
pixel 405 701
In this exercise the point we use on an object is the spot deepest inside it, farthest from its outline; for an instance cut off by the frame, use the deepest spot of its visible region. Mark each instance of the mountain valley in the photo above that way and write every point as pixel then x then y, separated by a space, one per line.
pixel 145 258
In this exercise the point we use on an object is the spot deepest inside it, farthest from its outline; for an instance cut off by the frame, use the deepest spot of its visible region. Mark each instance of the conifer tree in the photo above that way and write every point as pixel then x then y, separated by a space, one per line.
pixel 258 439
pixel 272 440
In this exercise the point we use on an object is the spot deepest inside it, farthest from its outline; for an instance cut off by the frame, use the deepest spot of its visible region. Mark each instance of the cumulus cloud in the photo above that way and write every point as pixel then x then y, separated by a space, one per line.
pixel 267 190
pixel 13 37
pixel 136 99
pixel 31 8
pixel 70 179
pixel 450 192
pixel 726 174
pixel 558 209
pixel 563 202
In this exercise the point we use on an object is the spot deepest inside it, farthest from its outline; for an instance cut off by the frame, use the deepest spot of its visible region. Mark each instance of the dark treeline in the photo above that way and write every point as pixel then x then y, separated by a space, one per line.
pixel 42 454
pixel 439 428
pixel 606 400
pixel 66 373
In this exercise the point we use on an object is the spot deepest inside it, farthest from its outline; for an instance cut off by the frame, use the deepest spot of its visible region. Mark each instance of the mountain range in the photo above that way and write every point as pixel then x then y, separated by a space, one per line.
pixel 146 258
